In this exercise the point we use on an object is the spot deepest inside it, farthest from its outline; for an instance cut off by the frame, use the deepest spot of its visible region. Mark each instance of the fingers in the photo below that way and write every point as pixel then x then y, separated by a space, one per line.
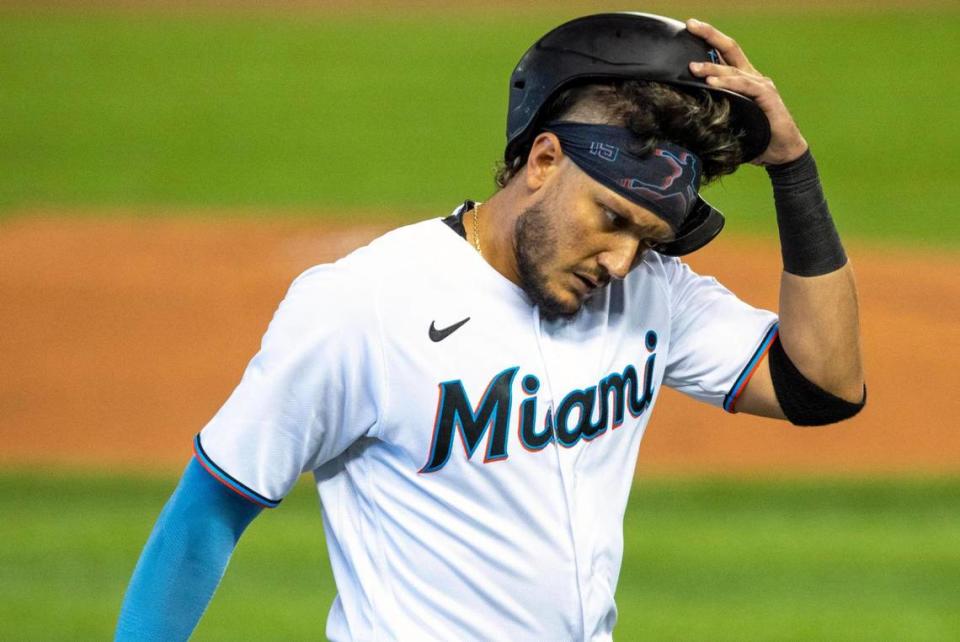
pixel 749 84
pixel 712 69
pixel 739 76
pixel 755 87
pixel 727 46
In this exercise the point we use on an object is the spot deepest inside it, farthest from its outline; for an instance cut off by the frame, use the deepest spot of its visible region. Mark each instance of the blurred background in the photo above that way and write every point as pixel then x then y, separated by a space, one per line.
pixel 167 167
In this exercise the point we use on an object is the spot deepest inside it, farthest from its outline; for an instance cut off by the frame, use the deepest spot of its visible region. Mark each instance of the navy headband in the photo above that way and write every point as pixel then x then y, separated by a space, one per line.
pixel 665 181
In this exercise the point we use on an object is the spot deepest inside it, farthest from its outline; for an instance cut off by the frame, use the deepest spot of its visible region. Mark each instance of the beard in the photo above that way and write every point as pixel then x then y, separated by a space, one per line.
pixel 534 246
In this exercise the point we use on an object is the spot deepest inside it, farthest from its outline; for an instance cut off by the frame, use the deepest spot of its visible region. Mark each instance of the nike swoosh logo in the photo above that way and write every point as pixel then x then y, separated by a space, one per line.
pixel 440 335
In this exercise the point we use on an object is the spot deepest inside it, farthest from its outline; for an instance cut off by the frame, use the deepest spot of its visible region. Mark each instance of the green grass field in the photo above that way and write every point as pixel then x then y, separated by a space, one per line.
pixel 400 117
pixel 705 560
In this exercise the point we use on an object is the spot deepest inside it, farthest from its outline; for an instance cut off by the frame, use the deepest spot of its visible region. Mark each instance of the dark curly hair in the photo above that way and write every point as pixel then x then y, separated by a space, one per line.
pixel 656 112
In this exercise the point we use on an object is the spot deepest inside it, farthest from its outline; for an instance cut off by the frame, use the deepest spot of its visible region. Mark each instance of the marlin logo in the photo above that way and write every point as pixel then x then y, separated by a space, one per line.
pixel 581 414
pixel 672 169
pixel 660 186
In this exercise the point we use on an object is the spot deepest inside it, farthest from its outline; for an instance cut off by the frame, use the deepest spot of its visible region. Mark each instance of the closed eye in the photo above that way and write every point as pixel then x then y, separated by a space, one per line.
pixel 619 222
pixel 615 219
pixel 622 222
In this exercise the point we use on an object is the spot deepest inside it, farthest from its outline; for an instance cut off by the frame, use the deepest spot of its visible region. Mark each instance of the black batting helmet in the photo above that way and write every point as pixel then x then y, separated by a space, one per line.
pixel 626 46
pixel 619 46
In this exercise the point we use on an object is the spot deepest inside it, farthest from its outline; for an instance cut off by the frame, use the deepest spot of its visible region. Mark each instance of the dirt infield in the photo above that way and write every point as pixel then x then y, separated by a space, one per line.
pixel 121 337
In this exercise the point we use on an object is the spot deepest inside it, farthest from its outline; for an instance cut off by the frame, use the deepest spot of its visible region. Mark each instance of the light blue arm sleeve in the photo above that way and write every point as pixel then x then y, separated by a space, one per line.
pixel 184 558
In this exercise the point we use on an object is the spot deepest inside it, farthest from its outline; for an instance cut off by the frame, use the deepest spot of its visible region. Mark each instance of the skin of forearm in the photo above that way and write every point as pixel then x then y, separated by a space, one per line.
pixel 820 330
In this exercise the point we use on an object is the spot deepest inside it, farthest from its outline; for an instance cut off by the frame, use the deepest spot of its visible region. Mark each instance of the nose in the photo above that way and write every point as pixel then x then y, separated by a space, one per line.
pixel 619 259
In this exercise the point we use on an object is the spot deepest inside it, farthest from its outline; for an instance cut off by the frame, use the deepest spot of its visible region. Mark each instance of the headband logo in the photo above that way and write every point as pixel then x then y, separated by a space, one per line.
pixel 664 175
pixel 604 151
pixel 665 180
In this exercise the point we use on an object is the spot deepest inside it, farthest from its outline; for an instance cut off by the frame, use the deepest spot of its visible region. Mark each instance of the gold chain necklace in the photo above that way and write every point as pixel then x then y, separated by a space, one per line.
pixel 476 229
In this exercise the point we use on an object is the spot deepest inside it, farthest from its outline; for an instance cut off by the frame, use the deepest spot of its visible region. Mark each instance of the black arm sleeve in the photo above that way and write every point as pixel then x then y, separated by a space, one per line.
pixel 802 401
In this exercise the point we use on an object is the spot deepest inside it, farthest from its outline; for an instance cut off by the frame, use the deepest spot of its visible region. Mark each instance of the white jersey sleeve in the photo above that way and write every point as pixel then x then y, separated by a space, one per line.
pixel 716 340
pixel 312 390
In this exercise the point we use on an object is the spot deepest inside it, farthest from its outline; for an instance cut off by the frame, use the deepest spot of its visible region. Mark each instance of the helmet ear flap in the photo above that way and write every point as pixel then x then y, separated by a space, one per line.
pixel 700 227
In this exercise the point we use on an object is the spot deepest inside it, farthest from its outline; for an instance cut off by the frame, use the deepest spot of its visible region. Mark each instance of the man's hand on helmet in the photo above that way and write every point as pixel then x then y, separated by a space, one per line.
pixel 737 74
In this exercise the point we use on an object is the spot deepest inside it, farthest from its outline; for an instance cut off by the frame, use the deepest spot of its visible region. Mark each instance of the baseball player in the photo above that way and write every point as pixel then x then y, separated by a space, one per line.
pixel 470 392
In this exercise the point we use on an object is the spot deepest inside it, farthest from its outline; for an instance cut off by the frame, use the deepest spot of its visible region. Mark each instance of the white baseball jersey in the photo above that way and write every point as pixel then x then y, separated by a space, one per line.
pixel 473 460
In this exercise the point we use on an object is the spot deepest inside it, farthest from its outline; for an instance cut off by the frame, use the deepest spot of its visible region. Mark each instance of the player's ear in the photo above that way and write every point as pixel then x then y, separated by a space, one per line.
pixel 544 157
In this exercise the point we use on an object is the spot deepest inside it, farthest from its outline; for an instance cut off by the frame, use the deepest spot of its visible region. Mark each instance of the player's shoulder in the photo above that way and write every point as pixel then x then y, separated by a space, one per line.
pixel 404 244
pixel 371 261
pixel 340 299
pixel 401 246
pixel 355 279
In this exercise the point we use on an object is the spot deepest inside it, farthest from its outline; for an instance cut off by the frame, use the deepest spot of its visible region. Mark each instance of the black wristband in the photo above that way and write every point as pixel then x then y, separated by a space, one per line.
pixel 809 242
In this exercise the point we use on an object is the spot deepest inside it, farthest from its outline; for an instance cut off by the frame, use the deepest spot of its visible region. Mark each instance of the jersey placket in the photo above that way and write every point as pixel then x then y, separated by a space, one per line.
pixel 566 469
